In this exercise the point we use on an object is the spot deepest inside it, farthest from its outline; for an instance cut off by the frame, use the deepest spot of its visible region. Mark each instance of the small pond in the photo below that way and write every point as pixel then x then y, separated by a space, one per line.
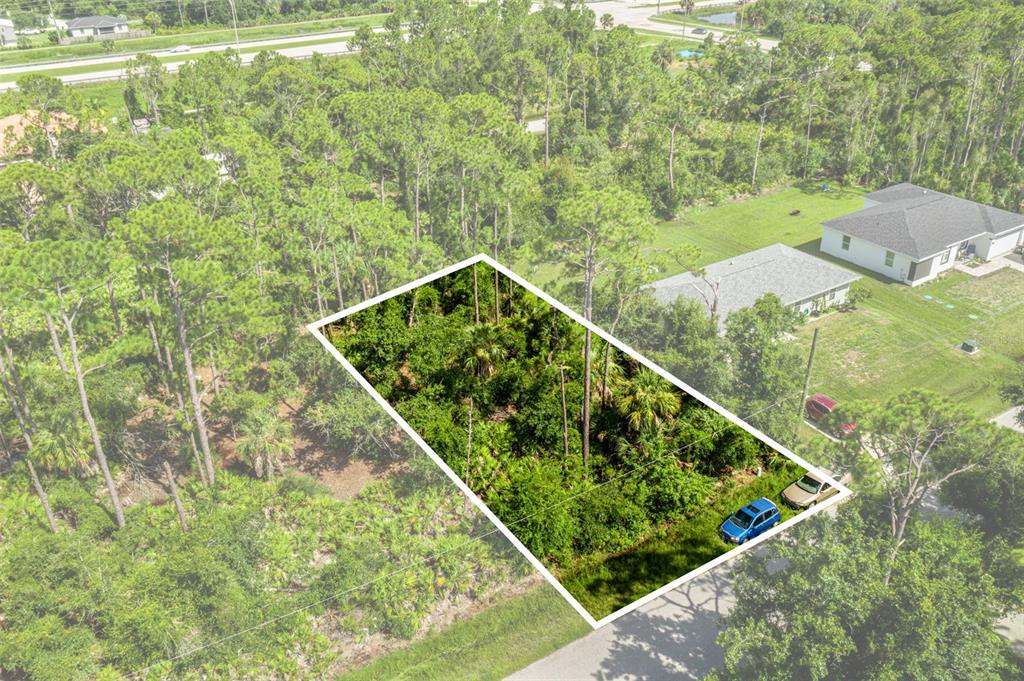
pixel 722 18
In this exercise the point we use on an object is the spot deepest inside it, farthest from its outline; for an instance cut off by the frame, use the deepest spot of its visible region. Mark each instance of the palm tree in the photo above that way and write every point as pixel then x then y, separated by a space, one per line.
pixel 687 6
pixel 265 440
pixel 663 56
pixel 647 401
pixel 64 449
pixel 483 351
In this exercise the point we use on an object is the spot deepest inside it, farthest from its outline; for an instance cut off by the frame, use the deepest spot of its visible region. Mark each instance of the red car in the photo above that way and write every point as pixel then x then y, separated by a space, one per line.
pixel 820 406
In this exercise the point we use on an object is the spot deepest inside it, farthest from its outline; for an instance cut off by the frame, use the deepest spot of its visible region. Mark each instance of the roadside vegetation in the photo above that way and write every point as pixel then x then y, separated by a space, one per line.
pixel 607 582
pixel 193 38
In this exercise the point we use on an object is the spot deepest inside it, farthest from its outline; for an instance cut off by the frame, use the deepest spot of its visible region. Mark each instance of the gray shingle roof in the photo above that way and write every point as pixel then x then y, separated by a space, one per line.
pixel 920 222
pixel 95 22
pixel 790 274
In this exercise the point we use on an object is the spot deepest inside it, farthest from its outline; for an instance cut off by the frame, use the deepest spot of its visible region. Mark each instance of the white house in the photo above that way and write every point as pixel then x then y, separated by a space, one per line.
pixel 800 280
pixel 103 27
pixel 7 36
pixel 912 234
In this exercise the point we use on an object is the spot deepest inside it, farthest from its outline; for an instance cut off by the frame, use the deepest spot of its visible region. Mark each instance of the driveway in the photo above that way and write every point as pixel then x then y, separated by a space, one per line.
pixel 1008 419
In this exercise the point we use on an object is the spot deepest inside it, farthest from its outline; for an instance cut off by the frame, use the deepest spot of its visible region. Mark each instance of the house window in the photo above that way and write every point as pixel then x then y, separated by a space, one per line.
pixel 945 257
pixel 846 242
pixel 890 257
pixel 831 295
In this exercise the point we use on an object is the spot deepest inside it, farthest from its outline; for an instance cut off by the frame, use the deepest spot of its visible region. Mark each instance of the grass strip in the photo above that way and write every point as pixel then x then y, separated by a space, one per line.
pixel 491 645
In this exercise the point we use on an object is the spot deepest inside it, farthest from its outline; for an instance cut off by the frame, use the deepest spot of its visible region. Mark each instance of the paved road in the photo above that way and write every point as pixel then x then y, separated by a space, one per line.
pixel 218 47
pixel 672 637
pixel 637 15
pixel 300 52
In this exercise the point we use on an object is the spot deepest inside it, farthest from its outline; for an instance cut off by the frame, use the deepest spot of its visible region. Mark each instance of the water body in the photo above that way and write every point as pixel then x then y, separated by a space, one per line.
pixel 722 18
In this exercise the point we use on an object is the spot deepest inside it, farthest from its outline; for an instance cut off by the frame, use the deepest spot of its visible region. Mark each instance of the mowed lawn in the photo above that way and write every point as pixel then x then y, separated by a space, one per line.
pixel 744 225
pixel 901 338
pixel 604 584
pixel 909 338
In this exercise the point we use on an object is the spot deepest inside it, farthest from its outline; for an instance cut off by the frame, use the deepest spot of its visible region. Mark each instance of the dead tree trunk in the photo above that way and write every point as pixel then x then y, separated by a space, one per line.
pixel 190 376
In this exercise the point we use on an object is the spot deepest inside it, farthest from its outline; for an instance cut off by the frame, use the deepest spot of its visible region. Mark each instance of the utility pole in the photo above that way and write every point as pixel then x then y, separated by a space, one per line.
pixel 234 20
pixel 807 375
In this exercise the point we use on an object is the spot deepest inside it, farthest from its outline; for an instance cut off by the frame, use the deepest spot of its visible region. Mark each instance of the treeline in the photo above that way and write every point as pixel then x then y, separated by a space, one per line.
pixel 913 90
pixel 496 381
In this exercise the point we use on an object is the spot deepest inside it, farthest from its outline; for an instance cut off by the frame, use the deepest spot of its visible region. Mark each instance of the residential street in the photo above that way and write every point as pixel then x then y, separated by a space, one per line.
pixel 671 637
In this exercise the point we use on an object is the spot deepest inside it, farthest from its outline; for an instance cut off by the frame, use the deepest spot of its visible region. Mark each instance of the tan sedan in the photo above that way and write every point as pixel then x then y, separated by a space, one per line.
pixel 808 491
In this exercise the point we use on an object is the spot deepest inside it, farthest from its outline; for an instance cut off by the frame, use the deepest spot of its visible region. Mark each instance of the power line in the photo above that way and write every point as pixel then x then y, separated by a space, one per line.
pixel 436 556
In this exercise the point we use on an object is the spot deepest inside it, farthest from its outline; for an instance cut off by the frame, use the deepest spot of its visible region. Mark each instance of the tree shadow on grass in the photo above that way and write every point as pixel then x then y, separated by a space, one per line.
pixel 620 580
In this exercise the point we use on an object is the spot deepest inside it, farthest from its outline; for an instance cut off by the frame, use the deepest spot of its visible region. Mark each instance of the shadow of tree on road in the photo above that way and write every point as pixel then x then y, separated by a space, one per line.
pixel 673 637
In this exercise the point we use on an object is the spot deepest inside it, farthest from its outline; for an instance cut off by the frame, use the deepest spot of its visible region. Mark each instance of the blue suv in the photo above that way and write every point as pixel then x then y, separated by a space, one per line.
pixel 750 521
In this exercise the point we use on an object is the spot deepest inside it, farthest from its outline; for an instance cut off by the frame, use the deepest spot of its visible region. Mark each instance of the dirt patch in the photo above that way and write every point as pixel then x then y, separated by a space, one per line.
pixel 503 413
pixel 151 438
pixel 344 475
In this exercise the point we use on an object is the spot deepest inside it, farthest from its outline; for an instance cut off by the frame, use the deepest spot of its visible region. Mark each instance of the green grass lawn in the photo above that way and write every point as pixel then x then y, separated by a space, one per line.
pixel 896 340
pixel 901 339
pixel 742 225
pixel 499 641
pixel 605 584
pixel 738 226
pixel 193 38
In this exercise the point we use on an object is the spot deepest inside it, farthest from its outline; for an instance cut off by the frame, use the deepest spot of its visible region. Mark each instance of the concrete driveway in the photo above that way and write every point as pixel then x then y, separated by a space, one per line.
pixel 1008 419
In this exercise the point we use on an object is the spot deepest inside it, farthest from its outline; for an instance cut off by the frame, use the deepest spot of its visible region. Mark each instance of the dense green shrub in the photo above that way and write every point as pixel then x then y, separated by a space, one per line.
pixel 533 502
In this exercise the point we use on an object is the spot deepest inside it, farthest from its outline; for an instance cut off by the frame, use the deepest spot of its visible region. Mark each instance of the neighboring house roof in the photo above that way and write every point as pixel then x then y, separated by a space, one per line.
pixel 14 127
pixel 95 22
pixel 920 222
pixel 792 275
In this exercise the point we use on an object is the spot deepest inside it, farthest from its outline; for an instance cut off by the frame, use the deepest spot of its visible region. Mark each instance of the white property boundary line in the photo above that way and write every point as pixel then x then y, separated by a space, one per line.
pixel 314 329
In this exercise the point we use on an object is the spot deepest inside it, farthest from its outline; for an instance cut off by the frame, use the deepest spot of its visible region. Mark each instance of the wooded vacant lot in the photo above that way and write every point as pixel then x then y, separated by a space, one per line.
pixel 506 388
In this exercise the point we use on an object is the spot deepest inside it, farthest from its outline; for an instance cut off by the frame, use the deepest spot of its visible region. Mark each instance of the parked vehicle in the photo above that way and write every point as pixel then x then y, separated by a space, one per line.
pixel 750 521
pixel 809 490
pixel 819 407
